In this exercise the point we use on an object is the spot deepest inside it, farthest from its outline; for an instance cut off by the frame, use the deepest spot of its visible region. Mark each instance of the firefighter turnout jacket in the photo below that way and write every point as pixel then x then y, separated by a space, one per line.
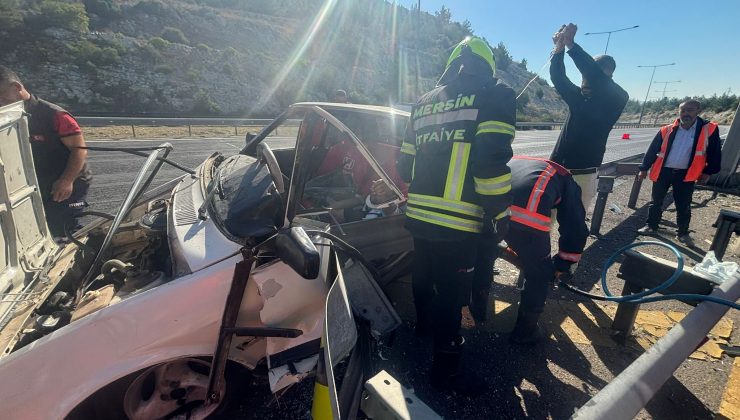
pixel 706 157
pixel 538 187
pixel 454 154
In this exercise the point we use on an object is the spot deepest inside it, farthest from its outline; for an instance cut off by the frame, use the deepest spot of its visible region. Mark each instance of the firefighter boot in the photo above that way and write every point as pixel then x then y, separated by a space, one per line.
pixel 526 331
pixel 446 376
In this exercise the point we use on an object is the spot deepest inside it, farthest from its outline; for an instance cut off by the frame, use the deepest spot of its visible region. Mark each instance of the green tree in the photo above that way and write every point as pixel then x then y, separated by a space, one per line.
pixel 174 35
pixel 87 52
pixel 58 14
pixel 158 43
pixel 203 104
pixel 502 56
pixel 107 9
pixel 443 14
pixel 10 15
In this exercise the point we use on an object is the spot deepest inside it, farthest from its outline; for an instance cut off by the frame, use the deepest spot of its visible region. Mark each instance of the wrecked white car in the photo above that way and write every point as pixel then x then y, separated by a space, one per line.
pixel 248 261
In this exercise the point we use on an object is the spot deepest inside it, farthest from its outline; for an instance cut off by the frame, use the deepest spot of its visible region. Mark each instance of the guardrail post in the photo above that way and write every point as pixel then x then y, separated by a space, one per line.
pixel 235 132
pixel 726 225
pixel 635 192
pixel 190 131
pixel 626 314
pixel 133 130
pixel 606 184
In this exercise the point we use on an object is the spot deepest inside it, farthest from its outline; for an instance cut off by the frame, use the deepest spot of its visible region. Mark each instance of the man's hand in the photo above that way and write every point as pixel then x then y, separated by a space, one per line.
pixel 557 39
pixel 381 193
pixel 642 175
pixel 569 35
pixel 704 178
pixel 61 189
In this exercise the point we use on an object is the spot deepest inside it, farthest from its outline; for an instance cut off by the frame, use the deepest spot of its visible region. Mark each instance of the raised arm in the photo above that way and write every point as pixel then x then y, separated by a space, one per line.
pixel 567 89
pixel 590 70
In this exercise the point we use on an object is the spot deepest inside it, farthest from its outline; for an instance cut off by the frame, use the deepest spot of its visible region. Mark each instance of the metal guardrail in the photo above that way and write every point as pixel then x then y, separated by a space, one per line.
pixel 241 122
pixel 134 122
pixel 170 122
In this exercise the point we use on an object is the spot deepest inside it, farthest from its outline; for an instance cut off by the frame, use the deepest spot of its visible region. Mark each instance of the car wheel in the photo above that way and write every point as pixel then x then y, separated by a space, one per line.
pixel 170 390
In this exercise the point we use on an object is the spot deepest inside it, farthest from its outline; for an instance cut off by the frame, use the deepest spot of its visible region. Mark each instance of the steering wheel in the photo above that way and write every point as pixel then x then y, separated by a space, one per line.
pixel 272 164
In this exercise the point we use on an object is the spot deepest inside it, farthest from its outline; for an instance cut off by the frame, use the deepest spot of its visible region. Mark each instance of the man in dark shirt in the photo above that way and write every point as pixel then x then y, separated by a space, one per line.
pixel 593 108
pixel 60 162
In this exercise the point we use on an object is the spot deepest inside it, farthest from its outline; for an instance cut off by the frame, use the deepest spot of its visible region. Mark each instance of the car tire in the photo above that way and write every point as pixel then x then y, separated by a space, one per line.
pixel 110 402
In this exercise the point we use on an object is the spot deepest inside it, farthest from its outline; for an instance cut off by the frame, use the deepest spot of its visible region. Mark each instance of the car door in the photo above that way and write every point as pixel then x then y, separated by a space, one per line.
pixel 379 234
pixel 25 239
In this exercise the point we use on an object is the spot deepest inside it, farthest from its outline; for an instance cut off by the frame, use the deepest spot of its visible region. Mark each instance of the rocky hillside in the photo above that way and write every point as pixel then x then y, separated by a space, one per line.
pixel 236 57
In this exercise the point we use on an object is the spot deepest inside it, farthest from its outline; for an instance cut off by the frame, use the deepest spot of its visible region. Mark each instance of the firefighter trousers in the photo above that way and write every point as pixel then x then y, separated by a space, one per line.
pixel 533 249
pixel 441 279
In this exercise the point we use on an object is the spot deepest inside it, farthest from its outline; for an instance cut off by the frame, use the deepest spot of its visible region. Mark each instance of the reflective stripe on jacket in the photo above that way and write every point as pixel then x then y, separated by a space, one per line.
pixel 699 159
pixel 454 154
pixel 538 187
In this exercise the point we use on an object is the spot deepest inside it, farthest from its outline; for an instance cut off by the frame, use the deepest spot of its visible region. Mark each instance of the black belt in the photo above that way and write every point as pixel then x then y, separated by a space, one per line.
pixel 583 171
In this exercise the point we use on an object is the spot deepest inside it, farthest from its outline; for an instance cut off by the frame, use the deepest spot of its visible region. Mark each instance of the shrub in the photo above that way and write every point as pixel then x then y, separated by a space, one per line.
pixel 229 52
pixel 10 15
pixel 203 104
pixel 58 14
pixel 164 69
pixel 522 102
pixel 93 55
pixel 203 47
pixel 158 43
pixel 150 7
pixel 539 93
pixel 107 9
pixel 193 75
pixel 174 35
pixel 151 53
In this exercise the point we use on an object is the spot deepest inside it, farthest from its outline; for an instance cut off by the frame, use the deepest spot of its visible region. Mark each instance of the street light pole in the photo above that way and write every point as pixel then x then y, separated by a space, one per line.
pixel 609 36
pixel 642 109
pixel 662 96
pixel 665 86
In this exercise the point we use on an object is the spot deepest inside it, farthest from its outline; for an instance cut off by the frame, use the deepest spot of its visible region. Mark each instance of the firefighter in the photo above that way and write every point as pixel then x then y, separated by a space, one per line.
pixel 538 187
pixel 454 155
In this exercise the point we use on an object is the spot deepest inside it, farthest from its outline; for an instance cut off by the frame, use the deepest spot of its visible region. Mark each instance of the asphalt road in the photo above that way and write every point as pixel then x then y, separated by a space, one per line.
pixel 114 171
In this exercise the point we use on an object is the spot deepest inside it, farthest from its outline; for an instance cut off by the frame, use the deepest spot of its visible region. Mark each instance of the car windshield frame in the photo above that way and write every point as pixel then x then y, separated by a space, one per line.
pixel 298 178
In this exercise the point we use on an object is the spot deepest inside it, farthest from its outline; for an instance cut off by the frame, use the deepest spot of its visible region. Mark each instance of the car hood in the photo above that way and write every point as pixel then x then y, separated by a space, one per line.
pixel 25 239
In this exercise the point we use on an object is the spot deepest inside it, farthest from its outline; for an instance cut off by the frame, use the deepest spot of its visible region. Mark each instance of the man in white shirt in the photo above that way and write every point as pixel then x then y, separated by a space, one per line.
pixel 682 153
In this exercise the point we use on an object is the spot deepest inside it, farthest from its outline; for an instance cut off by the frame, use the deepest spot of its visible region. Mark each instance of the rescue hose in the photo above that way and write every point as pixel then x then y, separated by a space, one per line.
pixel 536 76
pixel 644 296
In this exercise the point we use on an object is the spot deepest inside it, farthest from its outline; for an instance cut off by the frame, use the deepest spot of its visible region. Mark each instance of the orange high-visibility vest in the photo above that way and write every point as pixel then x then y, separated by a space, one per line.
pixel 698 162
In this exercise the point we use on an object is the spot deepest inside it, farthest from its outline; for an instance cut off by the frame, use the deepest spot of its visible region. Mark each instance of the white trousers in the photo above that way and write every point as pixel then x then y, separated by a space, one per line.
pixel 588 184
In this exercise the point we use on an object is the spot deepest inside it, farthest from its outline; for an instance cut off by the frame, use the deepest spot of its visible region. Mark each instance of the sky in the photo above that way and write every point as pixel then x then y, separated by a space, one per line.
pixel 701 38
